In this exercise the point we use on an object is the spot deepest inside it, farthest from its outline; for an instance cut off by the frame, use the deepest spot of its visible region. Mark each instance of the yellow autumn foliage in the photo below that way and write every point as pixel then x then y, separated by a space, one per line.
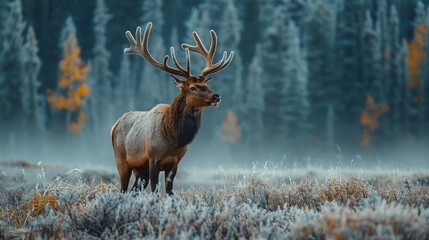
pixel 71 66
pixel 416 56
pixel 369 118
pixel 231 130
pixel 72 88
pixel 77 126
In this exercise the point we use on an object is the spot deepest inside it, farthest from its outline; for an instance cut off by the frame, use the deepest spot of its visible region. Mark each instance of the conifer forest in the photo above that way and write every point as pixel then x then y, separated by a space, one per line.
pixel 322 131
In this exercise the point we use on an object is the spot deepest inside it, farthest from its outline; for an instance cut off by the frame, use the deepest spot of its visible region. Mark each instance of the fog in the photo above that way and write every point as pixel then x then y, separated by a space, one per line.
pixel 312 85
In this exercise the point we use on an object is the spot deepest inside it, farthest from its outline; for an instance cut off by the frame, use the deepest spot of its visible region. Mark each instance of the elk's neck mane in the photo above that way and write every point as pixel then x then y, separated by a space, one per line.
pixel 181 123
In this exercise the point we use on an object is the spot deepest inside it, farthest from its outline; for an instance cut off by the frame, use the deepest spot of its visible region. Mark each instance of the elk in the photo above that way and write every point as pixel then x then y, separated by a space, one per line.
pixel 147 143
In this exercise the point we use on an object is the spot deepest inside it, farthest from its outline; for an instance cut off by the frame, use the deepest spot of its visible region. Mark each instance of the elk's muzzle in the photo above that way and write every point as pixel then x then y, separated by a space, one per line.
pixel 214 99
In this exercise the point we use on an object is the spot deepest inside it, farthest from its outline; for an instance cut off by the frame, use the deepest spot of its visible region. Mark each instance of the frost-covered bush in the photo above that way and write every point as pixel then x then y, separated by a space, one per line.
pixel 387 221
pixel 306 194
pixel 347 208
pixel 407 194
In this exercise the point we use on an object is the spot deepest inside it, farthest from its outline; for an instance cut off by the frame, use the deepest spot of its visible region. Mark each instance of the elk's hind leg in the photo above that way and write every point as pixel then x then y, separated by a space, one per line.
pixel 124 170
pixel 124 176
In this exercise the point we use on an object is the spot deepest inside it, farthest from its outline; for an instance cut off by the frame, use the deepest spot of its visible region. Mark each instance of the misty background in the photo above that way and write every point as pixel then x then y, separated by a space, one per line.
pixel 312 81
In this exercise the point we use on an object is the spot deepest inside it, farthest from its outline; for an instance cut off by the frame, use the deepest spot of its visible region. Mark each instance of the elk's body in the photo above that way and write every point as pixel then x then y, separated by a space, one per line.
pixel 156 138
pixel 146 143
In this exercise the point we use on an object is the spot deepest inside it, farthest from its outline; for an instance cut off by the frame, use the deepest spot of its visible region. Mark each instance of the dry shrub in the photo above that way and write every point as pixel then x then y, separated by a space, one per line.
pixel 386 221
pixel 100 188
pixel 305 195
pixel 340 209
pixel 258 192
pixel 34 208
pixel 38 204
pixel 350 192
pixel 211 195
pixel 79 197
pixel 407 194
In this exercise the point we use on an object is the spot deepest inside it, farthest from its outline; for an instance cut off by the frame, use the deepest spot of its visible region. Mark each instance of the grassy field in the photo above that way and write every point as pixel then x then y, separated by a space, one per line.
pixel 52 201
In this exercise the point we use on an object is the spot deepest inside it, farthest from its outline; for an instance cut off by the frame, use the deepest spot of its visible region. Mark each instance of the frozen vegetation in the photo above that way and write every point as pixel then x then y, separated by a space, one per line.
pixel 308 77
pixel 261 204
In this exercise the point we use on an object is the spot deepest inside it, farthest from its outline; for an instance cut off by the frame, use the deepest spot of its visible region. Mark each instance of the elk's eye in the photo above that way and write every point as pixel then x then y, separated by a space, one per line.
pixel 202 88
pixel 193 89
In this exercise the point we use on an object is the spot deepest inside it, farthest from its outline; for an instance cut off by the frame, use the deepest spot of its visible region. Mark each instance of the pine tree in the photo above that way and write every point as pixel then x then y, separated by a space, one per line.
pixel 200 22
pixel 152 87
pixel 415 64
pixel 396 81
pixel 383 36
pixel 295 108
pixel 420 13
pixel 349 75
pixel 297 11
pixel 3 16
pixel 266 9
pixel 252 24
pixel 254 107
pixel 424 89
pixel 12 58
pixel 273 61
pixel 372 81
pixel 124 97
pixel 330 126
pixel 323 90
pixel 370 59
pixel 101 75
pixel 33 101
pixel 68 28
pixel 152 12
pixel 231 81
pixel 406 92
pixel 229 39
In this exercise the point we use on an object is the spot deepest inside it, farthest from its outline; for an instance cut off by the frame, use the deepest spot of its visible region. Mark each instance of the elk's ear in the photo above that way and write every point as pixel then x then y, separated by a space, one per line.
pixel 179 83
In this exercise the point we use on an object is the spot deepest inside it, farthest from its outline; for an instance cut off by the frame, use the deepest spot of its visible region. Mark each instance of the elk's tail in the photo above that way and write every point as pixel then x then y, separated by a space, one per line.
pixel 112 133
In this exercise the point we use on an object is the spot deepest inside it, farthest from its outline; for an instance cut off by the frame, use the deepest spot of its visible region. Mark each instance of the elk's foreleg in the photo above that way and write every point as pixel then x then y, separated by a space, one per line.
pixel 153 175
pixel 169 178
pixel 142 177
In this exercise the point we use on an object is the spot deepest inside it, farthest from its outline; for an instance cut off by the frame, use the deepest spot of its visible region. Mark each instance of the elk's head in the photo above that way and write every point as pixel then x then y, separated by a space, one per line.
pixel 196 89
pixel 198 93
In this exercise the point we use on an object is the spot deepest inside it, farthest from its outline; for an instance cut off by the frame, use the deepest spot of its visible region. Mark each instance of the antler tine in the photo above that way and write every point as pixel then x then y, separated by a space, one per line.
pixel 209 55
pixel 213 44
pixel 142 49
pixel 197 48
pixel 223 63
pixel 133 49
pixel 188 64
pixel 188 60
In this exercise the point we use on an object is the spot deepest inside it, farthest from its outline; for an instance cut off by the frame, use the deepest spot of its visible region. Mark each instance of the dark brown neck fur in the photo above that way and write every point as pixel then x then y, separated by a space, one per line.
pixel 181 123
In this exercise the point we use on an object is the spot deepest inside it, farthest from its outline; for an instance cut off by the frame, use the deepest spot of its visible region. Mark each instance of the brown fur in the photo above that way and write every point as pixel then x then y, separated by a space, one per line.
pixel 149 142
pixel 146 143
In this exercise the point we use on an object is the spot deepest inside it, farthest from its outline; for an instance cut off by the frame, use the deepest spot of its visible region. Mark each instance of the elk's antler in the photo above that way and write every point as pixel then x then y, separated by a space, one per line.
pixel 208 55
pixel 142 49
